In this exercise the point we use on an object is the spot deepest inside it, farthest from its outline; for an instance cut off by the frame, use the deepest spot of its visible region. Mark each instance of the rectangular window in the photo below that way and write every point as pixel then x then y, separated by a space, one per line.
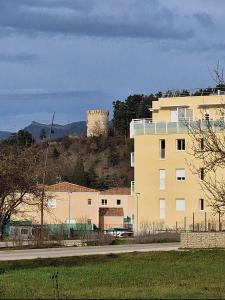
pixel 104 201
pixel 70 221
pixel 180 204
pixel 206 114
pixel 51 203
pixel 89 221
pixel 162 209
pixel 162 147
pixel 89 201
pixel 181 144
pixel 201 174
pixel 201 204
pixel 202 144
pixel 162 179
pixel 180 174
pixel 118 202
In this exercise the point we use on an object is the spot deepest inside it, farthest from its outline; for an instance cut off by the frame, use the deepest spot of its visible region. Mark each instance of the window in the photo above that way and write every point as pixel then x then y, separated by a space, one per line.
pixel 162 179
pixel 180 205
pixel 162 209
pixel 70 221
pixel 201 174
pixel 52 203
pixel 118 202
pixel 202 144
pixel 162 147
pixel 201 204
pixel 89 221
pixel 206 114
pixel 104 201
pixel 180 174
pixel 181 144
pixel 89 201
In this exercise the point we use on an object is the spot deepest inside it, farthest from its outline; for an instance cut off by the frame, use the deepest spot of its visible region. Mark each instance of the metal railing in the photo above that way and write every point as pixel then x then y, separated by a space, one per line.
pixel 132 159
pixel 147 126
pixel 193 92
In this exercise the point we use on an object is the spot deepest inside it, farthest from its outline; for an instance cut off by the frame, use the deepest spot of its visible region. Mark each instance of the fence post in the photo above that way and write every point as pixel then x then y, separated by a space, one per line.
pixel 185 224
pixel 205 222
pixel 193 222
pixel 220 225
pixel 209 227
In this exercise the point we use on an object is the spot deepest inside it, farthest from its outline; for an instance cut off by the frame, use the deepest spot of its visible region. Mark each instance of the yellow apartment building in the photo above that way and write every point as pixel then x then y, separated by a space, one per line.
pixel 71 204
pixel 166 190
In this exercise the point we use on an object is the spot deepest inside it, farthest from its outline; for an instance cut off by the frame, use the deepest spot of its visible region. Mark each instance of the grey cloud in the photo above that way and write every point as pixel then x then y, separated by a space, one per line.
pixel 205 20
pixel 19 58
pixel 149 21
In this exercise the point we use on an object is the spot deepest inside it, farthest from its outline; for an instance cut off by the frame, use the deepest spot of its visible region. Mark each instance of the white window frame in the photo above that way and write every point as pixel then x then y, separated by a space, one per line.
pixel 180 204
pixel 104 202
pixel 183 145
pixel 162 179
pixel 180 174
pixel 162 209
pixel 52 203
pixel 70 221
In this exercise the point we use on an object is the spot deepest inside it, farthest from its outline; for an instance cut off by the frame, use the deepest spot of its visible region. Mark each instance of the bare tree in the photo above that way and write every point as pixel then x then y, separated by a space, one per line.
pixel 217 75
pixel 19 173
pixel 207 159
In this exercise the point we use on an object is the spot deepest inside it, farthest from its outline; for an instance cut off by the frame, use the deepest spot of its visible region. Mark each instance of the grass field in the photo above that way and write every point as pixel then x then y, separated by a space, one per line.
pixel 194 274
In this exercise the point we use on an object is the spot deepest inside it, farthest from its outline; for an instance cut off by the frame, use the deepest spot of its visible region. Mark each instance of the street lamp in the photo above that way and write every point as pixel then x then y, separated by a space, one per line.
pixel 69 193
pixel 137 194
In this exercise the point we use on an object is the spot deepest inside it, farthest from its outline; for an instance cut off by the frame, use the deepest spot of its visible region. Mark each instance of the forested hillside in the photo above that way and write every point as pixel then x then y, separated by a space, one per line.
pixel 95 162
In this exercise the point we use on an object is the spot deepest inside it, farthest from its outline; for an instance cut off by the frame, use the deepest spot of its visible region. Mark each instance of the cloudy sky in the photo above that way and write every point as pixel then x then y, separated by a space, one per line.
pixel 71 55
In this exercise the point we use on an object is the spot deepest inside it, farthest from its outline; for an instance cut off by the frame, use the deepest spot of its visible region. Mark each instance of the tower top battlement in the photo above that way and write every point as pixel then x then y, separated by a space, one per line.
pixel 98 111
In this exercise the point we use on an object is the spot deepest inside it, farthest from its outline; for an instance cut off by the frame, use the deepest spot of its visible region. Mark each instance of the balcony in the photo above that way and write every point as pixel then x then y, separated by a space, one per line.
pixel 148 127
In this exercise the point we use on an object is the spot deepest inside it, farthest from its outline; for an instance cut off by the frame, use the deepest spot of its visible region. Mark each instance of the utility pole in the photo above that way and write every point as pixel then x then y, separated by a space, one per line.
pixel 43 178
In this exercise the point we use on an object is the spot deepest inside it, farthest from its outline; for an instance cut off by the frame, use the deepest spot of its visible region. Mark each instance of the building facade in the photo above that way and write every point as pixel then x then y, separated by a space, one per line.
pixel 69 203
pixel 167 192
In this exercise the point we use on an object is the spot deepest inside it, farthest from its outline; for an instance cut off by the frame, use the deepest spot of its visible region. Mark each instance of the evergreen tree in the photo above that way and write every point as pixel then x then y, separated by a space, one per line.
pixel 22 138
pixel 79 175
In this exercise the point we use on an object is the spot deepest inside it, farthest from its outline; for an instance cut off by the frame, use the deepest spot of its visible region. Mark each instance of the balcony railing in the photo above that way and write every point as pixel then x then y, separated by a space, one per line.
pixel 147 126
pixel 132 159
pixel 132 187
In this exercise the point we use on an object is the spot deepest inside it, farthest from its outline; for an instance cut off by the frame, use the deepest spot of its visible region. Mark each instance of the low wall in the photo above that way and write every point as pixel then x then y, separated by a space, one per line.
pixel 203 240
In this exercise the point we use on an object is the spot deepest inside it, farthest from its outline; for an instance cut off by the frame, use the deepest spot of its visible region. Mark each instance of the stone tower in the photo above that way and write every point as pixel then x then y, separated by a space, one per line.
pixel 97 122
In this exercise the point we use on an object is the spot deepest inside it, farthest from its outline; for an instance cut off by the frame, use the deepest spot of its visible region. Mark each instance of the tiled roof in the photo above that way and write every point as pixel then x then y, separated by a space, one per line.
pixel 117 191
pixel 68 187
pixel 111 212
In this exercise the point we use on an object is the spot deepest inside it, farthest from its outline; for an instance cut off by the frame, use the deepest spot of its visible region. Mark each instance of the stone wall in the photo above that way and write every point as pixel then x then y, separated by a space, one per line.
pixel 203 240
pixel 97 122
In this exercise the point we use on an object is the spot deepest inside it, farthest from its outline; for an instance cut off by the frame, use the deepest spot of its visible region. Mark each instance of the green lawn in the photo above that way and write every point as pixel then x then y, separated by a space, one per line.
pixel 194 274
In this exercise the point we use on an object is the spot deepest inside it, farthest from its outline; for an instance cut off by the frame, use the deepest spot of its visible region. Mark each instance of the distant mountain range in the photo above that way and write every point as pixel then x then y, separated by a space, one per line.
pixel 75 129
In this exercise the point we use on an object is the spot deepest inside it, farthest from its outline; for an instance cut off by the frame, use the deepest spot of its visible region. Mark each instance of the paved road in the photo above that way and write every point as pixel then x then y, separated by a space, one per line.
pixel 80 251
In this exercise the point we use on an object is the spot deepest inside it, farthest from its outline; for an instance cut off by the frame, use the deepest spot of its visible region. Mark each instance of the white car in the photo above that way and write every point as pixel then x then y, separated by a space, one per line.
pixel 120 232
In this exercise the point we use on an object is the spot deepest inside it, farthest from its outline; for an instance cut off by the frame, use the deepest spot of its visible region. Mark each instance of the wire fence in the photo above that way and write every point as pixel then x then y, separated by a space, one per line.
pixel 197 222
